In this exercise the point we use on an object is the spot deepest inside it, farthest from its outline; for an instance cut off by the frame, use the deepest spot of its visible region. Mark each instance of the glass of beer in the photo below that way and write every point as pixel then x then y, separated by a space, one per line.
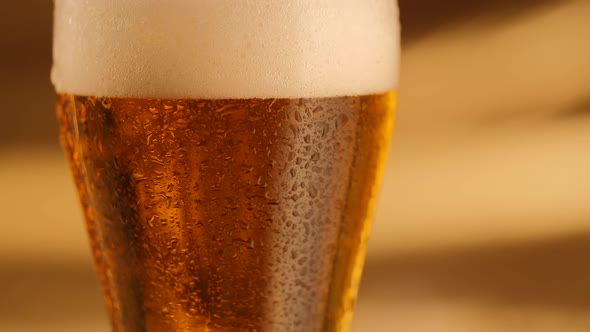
pixel 227 154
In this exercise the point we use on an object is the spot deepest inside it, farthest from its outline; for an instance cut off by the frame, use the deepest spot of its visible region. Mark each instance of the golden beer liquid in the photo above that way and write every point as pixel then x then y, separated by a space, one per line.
pixel 228 215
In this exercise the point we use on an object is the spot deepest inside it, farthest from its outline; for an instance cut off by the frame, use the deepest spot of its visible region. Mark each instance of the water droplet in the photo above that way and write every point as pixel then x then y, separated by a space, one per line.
pixel 248 243
pixel 151 221
pixel 106 103
pixel 138 176
pixel 313 192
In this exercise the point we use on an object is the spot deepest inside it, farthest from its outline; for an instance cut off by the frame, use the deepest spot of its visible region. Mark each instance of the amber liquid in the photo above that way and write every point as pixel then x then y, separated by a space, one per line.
pixel 228 215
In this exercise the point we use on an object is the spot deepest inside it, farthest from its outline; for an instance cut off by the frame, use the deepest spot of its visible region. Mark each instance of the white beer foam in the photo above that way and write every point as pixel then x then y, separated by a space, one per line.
pixel 225 48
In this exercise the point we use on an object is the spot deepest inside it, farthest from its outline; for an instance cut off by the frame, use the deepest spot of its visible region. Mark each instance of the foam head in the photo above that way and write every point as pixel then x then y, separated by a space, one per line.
pixel 225 48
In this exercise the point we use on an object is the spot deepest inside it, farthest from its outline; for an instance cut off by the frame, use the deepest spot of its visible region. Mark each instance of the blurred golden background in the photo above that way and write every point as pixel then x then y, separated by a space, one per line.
pixel 484 222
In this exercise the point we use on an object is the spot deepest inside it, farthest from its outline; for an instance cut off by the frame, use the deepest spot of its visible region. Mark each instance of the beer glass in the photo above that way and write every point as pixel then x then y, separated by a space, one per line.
pixel 227 154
